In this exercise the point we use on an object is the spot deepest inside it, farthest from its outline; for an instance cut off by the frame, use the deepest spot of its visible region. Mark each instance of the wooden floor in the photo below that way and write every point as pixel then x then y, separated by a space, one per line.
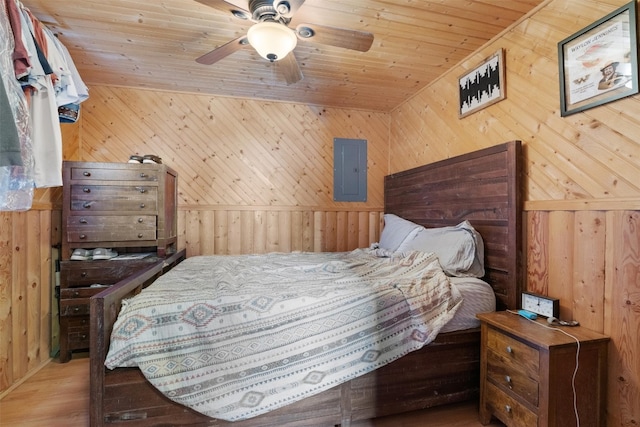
pixel 59 395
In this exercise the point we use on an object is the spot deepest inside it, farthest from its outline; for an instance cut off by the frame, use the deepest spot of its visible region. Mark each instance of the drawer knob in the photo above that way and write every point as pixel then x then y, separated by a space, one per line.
pixel 142 205
pixel 83 274
pixel 509 349
pixel 83 236
pixel 86 190
pixel 76 294
pixel 86 173
pixel 143 175
pixel 507 378
pixel 140 220
pixel 142 190
pixel 140 235
pixel 76 309
pixel 507 408
pixel 83 221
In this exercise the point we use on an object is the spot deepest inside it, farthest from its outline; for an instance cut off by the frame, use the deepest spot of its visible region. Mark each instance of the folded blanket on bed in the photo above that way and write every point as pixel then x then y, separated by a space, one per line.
pixel 236 336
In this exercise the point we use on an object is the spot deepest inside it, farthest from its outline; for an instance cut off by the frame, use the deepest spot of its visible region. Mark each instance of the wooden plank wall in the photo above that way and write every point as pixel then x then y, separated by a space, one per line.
pixel 582 191
pixel 590 260
pixel 25 293
pixel 252 169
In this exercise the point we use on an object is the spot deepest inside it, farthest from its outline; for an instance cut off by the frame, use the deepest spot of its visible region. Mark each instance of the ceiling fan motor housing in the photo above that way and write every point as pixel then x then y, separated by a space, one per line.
pixel 263 10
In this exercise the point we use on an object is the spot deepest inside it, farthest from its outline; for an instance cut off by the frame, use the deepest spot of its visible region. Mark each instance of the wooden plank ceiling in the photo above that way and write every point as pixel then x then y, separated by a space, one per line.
pixel 154 44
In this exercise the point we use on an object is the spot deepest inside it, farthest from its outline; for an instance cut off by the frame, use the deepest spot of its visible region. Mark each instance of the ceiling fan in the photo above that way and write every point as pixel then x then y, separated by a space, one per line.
pixel 272 38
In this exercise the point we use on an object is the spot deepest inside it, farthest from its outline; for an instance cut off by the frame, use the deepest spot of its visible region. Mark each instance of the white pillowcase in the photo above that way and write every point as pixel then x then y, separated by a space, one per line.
pixel 477 268
pixel 459 248
pixel 397 231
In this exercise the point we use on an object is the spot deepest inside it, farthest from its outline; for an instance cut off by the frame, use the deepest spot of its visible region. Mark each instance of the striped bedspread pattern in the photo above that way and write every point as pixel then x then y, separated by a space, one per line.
pixel 236 336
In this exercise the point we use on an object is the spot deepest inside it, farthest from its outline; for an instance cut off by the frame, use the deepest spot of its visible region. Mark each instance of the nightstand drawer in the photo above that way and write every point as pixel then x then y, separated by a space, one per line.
pixel 508 410
pixel 514 380
pixel 514 354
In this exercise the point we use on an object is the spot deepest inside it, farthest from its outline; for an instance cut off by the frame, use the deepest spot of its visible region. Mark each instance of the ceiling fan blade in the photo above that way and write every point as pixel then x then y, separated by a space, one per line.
pixel 332 36
pixel 291 5
pixel 241 4
pixel 290 69
pixel 223 51
pixel 227 6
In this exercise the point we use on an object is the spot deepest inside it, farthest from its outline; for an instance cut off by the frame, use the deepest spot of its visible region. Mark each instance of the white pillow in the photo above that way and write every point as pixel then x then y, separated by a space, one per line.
pixel 477 268
pixel 396 231
pixel 459 248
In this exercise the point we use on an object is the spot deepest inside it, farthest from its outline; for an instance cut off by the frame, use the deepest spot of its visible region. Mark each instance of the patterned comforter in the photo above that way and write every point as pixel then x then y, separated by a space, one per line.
pixel 236 336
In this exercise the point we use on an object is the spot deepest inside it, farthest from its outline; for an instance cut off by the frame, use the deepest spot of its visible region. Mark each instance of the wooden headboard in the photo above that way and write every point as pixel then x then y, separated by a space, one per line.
pixel 483 187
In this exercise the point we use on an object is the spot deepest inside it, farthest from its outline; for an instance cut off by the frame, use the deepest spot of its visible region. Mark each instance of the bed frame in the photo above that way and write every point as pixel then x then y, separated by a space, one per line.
pixel 483 187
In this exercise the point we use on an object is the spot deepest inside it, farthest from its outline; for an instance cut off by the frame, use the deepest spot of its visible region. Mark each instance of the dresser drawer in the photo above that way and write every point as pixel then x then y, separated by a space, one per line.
pixel 86 292
pixel 110 228
pixel 100 198
pixel 514 380
pixel 507 409
pixel 111 235
pixel 74 335
pixel 97 222
pixel 74 307
pixel 115 172
pixel 513 354
pixel 86 273
pixel 77 332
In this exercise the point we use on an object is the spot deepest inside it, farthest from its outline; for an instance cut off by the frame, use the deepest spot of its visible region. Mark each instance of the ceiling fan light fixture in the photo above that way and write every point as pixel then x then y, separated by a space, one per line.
pixel 271 40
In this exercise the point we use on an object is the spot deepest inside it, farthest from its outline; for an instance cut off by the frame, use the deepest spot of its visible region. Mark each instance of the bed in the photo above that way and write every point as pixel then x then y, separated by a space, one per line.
pixel 482 188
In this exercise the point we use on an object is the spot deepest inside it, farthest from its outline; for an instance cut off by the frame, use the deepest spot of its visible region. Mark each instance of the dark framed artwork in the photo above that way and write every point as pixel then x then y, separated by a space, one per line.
pixel 599 63
pixel 482 86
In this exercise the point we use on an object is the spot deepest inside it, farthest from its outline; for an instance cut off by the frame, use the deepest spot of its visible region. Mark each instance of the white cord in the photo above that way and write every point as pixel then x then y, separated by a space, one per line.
pixel 575 371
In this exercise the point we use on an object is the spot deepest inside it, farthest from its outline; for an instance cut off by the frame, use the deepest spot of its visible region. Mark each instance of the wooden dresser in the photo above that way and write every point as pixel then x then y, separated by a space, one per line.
pixel 127 207
pixel 527 370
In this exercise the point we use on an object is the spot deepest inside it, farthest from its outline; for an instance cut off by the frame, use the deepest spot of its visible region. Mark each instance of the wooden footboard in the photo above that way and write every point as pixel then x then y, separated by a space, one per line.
pixel 104 309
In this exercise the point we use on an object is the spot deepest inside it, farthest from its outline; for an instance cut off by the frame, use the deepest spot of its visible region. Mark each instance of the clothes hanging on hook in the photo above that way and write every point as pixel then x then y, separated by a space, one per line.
pixel 52 91
pixel 16 180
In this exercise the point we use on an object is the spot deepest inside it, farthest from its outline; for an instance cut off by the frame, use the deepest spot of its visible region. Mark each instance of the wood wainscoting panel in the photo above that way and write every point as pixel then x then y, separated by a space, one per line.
pixel 217 231
pixel 590 259
pixel 622 316
pixel 25 293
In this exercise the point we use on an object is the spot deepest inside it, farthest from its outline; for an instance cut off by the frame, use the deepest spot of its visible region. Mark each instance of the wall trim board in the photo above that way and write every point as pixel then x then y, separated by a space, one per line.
pixel 353 208
pixel 613 204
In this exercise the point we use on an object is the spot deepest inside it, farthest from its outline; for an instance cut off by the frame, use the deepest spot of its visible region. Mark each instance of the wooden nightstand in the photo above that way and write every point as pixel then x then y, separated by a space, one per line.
pixel 526 373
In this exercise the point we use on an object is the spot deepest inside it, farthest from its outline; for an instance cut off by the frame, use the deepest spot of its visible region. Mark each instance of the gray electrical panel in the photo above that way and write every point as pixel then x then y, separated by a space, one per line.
pixel 349 170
